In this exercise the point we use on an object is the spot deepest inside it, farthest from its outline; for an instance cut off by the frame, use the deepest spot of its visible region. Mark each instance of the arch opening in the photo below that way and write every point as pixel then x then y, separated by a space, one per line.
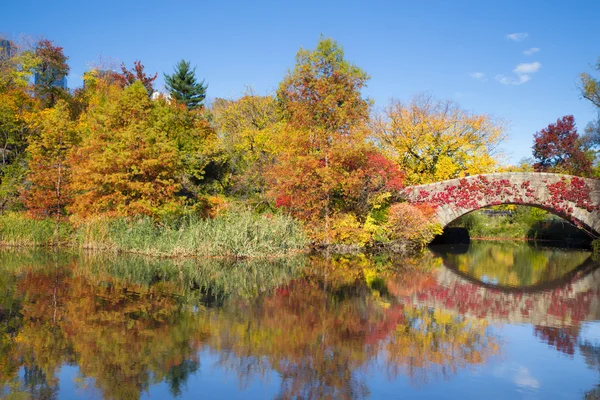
pixel 523 221
pixel 570 197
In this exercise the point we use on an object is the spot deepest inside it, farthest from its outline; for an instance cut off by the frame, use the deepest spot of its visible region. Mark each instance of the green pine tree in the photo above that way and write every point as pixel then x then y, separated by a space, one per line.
pixel 183 87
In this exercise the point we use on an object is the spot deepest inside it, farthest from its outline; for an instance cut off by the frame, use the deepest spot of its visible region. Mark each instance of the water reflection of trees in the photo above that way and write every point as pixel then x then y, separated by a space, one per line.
pixel 318 323
pixel 434 343
pixel 125 337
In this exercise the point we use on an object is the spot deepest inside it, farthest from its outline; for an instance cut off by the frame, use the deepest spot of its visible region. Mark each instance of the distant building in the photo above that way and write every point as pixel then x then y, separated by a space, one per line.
pixel 7 49
pixel 50 78
pixel 158 95
pixel 107 75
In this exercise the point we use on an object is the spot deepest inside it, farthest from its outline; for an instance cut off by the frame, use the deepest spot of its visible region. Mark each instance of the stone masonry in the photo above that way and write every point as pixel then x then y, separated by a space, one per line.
pixel 570 197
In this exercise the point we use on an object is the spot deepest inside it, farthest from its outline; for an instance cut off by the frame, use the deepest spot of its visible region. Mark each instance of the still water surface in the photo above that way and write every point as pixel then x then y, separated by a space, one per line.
pixel 489 320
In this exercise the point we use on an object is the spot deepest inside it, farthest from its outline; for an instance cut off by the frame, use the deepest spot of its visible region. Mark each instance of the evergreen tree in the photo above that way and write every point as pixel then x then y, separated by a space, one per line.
pixel 183 87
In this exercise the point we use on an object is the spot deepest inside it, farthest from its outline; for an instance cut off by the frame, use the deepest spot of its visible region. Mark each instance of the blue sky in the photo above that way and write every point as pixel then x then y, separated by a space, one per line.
pixel 481 54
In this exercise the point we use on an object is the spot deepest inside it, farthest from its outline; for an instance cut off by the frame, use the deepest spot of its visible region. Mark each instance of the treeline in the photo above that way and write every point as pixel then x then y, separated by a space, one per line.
pixel 314 150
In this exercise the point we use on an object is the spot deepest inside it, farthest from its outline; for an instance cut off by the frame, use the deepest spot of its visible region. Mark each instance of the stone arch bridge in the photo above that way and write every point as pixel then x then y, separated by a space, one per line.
pixel 570 197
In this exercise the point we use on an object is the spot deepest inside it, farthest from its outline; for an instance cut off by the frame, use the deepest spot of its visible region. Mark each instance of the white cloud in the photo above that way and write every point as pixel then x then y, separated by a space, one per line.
pixel 506 80
pixel 527 68
pixel 530 51
pixel 523 378
pixel 523 72
pixel 518 36
pixel 480 76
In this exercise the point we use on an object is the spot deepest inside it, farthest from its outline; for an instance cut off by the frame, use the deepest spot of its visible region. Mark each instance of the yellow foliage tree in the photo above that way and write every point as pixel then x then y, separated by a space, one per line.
pixel 434 140
pixel 246 128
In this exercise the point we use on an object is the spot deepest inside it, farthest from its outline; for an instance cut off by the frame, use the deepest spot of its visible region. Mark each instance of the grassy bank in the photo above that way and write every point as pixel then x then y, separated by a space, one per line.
pixel 239 234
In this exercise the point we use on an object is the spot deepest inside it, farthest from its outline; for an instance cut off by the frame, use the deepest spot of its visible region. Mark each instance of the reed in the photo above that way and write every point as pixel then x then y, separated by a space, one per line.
pixel 17 230
pixel 237 234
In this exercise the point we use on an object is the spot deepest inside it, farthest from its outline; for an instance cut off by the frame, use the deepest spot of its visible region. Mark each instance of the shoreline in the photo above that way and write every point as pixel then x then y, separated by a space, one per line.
pixel 107 250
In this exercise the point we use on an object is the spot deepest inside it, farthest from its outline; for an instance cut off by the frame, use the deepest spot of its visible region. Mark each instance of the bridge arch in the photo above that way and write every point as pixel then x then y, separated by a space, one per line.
pixel 573 198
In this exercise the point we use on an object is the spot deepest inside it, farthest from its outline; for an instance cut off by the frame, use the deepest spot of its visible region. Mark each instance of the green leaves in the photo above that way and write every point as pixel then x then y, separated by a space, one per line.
pixel 184 88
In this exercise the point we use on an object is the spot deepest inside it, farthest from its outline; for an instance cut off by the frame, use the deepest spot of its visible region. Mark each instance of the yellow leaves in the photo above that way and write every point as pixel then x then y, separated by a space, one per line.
pixel 370 275
pixel 446 169
pixel 432 337
pixel 345 228
pixel 514 265
pixel 590 87
pixel 434 140
pixel 247 128
pixel 442 317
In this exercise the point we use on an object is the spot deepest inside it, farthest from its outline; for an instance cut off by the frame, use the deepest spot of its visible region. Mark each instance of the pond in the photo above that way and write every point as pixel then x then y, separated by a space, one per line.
pixel 493 320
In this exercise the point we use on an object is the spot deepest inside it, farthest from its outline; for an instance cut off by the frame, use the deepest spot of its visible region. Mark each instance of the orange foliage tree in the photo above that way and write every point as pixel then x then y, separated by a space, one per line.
pixel 47 192
pixel 133 155
pixel 325 166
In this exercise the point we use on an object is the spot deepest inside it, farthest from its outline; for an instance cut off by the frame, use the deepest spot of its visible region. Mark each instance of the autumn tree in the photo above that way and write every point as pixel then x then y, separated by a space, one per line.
pixel 247 127
pixel 17 64
pixel 183 87
pixel 433 140
pixel 322 92
pixel 322 149
pixel 137 73
pixel 17 111
pixel 590 89
pixel 556 148
pixel 47 192
pixel 590 86
pixel 133 154
pixel 50 72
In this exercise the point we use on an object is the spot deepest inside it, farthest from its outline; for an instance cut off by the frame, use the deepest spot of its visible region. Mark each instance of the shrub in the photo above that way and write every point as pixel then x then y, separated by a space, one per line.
pixel 413 224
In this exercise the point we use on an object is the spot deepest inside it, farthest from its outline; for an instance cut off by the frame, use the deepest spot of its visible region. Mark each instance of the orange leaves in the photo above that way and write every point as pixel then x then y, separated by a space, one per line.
pixel 126 166
pixel 407 222
pixel 48 191
pixel 316 183
pixel 323 90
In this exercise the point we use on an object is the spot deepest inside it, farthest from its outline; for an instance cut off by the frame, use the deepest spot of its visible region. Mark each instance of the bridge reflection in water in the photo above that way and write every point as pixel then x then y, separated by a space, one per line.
pixel 559 288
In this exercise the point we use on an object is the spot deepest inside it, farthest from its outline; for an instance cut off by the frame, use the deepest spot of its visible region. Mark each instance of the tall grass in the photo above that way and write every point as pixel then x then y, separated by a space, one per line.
pixel 236 234
pixel 18 230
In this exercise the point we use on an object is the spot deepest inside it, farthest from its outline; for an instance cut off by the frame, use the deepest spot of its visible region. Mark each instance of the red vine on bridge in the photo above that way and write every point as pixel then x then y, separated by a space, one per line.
pixel 471 194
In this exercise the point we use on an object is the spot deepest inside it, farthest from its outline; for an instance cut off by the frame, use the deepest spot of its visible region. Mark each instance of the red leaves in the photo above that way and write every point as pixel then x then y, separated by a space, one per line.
pixel 574 191
pixel 563 196
pixel 556 149
pixel 283 201
pixel 380 168
pixel 137 73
